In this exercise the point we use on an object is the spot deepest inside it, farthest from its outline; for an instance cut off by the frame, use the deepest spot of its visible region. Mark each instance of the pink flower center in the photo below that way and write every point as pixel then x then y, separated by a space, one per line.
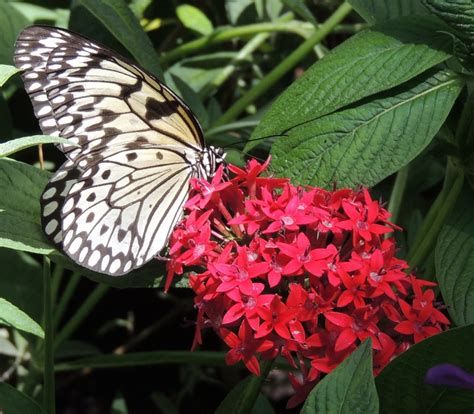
pixel 362 225
pixel 249 302
pixel 200 249
pixel 332 267
pixel 375 276
pixel 242 275
pixel 327 223
pixel 287 220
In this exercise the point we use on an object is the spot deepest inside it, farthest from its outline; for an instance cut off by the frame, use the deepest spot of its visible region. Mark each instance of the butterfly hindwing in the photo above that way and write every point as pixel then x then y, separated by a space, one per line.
pixel 120 212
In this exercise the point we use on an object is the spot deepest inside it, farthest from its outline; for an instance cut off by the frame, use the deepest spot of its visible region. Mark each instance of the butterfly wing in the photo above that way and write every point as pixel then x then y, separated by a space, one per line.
pixel 94 97
pixel 113 204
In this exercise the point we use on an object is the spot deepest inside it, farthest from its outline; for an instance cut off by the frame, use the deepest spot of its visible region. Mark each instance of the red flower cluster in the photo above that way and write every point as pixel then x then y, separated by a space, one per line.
pixel 300 272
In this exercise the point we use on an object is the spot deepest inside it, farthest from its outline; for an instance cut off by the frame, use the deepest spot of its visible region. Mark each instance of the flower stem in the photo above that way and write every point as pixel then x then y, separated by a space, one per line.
pixel 56 282
pixel 83 311
pixel 48 363
pixel 65 298
pixel 286 65
pixel 397 193
pixel 225 34
pixel 426 238
pixel 253 388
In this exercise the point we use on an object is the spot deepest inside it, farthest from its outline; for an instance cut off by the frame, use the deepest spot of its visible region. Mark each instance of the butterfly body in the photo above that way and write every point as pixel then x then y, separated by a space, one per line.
pixel 134 145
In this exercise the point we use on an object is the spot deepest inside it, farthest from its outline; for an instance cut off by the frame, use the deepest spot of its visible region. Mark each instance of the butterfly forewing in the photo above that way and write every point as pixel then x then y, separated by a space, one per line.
pixel 134 146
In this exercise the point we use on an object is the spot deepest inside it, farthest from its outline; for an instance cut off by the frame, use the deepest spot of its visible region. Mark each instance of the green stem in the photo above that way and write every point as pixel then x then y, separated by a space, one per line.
pixel 56 282
pixel 398 190
pixel 48 365
pixel 65 298
pixel 225 34
pixel 286 65
pixel 79 316
pixel 224 74
pixel 253 389
pixel 437 216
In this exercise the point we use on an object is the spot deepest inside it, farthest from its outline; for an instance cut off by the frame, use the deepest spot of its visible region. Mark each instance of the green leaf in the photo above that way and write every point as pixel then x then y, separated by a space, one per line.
pixel 10 315
pixel 364 144
pixel 459 15
pixel 119 406
pixel 380 10
pixel 6 72
pixel 12 23
pixel 215 359
pixel 19 144
pixel 21 282
pixel 367 63
pixel 300 8
pixel 350 388
pixel 231 403
pixel 237 8
pixel 401 386
pixel 454 259
pixel 34 12
pixel 194 19
pixel 21 186
pixel 13 401
pixel 120 21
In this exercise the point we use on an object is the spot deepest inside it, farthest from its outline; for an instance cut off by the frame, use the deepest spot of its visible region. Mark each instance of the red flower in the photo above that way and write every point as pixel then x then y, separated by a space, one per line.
pixel 302 273
pixel 244 347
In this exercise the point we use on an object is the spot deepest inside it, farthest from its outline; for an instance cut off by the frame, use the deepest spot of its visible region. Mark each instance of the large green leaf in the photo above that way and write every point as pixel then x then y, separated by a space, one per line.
pixel 231 403
pixel 21 186
pixel 11 24
pixel 21 282
pixel 454 258
pixel 12 316
pixel 366 143
pixel 350 388
pixel 459 15
pixel 380 10
pixel 401 386
pixel 13 401
pixel 19 144
pixel 367 63
pixel 120 21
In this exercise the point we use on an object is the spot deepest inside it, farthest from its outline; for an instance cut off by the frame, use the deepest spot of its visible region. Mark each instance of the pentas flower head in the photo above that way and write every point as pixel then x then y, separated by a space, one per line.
pixel 300 272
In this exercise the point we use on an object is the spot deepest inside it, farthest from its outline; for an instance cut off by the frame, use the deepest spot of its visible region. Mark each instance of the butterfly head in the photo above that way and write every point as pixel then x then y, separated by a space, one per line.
pixel 212 157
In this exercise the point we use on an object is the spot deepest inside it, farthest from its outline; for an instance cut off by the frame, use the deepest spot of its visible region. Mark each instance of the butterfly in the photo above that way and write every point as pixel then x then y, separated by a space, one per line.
pixel 134 146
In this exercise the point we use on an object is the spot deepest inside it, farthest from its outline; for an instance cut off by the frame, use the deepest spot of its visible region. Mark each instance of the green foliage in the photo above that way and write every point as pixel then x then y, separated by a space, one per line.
pixel 401 387
pixel 385 100
pixel 366 143
pixel 350 388
pixel 15 402
pixel 16 318
pixel 455 261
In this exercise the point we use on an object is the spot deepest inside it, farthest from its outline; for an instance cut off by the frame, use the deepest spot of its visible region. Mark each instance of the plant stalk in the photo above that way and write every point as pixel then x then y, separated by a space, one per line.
pixel 253 389
pixel 286 65
pixel 225 34
pixel 48 363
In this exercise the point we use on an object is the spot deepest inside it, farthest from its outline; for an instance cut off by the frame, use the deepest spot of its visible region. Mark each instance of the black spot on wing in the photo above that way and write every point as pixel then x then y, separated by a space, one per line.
pixel 158 110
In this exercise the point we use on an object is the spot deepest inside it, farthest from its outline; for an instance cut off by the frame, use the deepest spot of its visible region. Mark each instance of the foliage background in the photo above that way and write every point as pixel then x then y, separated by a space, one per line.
pixel 391 108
